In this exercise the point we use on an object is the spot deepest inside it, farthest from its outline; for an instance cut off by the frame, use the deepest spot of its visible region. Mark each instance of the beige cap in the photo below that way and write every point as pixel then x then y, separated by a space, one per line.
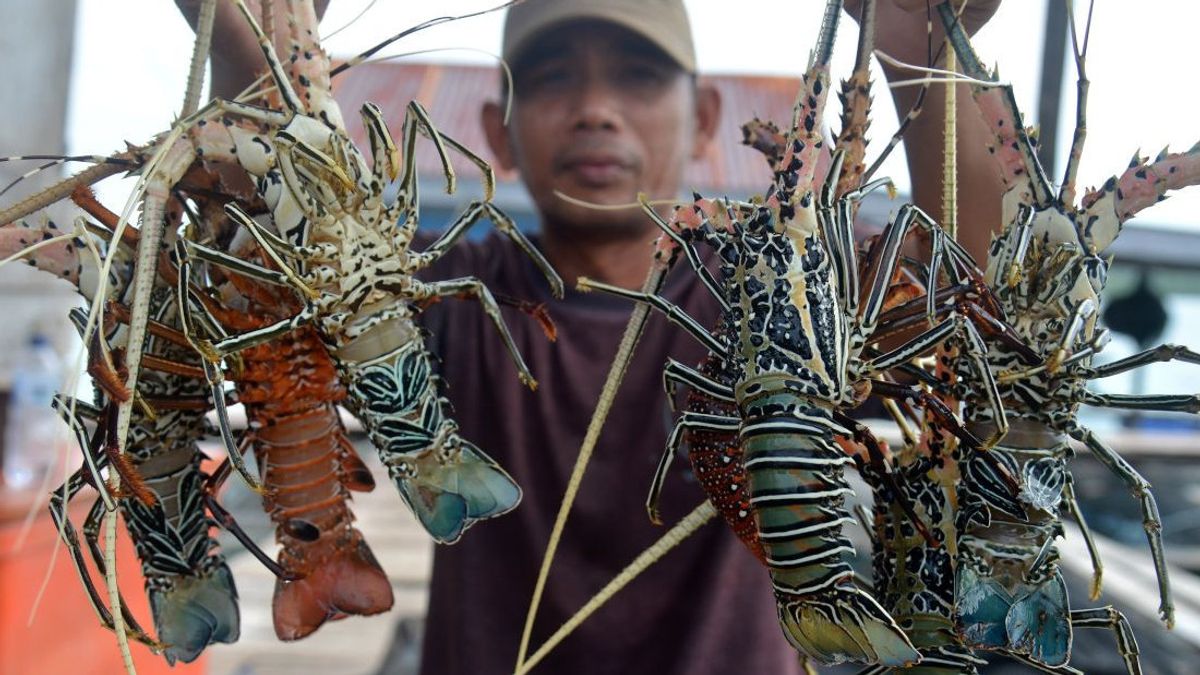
pixel 663 22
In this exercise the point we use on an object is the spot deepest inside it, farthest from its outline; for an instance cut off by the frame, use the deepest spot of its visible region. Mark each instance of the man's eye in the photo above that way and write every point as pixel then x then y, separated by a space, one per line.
pixel 543 78
pixel 642 74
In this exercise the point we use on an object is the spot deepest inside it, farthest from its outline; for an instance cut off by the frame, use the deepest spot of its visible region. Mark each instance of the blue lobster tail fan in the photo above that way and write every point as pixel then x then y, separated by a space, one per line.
pixel 442 514
pixel 450 495
pixel 982 607
pixel 194 612
pixel 1039 623
pixel 488 490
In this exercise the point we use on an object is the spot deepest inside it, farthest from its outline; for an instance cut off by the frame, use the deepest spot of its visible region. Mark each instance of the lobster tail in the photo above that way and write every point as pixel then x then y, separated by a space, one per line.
pixel 194 612
pixel 844 623
pixel 797 490
pixel 349 582
pixel 449 495
pixel 447 482
pixel 1034 621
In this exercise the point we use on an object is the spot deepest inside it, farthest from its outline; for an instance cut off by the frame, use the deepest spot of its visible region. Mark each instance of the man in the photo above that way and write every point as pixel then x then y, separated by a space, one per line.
pixel 605 105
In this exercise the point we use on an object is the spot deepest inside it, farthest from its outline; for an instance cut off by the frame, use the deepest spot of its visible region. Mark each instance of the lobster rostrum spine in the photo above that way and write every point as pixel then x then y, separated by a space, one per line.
pixel 1046 270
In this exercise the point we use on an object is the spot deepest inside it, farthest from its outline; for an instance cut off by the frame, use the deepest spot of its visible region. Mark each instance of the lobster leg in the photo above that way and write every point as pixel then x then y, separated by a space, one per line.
pixel 673 313
pixel 70 538
pixel 1152 522
pixel 489 175
pixel 1072 506
pixel 932 404
pixel 506 226
pixel 416 117
pixel 90 462
pixel 693 258
pixel 973 347
pixel 893 239
pixel 274 253
pixel 1109 617
pixel 688 421
pixel 1163 402
pixel 186 250
pixel 227 521
pixel 1159 354
pixel 236 343
pixel 473 287
pixel 1041 667
pixel 946 418
pixel 881 463
pixel 216 382
pixel 677 373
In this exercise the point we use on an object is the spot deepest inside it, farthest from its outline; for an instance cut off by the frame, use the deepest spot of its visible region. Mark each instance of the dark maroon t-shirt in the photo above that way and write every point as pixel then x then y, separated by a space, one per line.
pixel 706 607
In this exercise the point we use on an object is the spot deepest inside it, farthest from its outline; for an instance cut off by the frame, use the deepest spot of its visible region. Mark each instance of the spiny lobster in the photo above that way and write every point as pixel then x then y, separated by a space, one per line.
pixel 716 456
pixel 793 328
pixel 290 390
pixel 347 253
pixel 192 595
pixel 1046 270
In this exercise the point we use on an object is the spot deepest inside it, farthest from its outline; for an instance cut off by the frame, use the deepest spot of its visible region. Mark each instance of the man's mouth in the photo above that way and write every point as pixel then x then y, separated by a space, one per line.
pixel 596 171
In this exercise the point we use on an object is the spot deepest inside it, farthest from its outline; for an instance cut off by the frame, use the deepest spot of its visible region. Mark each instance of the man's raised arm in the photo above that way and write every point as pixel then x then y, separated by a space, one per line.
pixel 236 57
pixel 901 34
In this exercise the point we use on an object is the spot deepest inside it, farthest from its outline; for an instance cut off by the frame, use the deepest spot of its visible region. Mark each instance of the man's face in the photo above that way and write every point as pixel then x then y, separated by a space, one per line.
pixel 599 114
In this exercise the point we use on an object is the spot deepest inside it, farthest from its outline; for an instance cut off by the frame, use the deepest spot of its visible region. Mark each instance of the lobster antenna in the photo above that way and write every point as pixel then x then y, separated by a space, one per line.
pixel 827 35
pixel 204 29
pixel 947 75
pixel 616 374
pixel 409 31
pixel 653 553
pixel 950 150
pixel 267 16
pixel 820 56
pixel 286 92
pixel 612 207
pixel 508 78
pixel 1066 194
pixel 55 160
pixel 919 105
pixel 351 22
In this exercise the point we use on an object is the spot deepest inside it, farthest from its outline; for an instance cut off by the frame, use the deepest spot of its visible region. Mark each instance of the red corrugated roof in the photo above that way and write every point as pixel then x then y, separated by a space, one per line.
pixel 453 94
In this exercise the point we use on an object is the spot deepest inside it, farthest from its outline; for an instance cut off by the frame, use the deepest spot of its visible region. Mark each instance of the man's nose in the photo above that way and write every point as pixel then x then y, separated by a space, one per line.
pixel 598 106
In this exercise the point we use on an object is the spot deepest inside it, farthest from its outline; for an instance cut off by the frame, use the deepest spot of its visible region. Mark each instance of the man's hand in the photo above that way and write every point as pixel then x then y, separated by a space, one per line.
pixel 236 58
pixel 900 25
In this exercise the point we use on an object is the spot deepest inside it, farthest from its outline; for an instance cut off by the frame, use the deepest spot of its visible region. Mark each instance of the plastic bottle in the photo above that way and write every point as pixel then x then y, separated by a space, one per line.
pixel 34 433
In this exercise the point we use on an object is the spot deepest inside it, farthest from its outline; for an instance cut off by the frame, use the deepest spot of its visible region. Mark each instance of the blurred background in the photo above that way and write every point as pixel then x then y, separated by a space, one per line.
pixel 84 76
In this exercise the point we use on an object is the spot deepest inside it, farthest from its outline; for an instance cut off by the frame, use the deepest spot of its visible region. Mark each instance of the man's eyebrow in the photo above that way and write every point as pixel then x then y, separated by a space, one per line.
pixel 547 49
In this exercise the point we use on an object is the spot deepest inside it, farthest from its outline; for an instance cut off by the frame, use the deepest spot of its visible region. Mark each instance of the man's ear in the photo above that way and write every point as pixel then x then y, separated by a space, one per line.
pixel 492 118
pixel 708 115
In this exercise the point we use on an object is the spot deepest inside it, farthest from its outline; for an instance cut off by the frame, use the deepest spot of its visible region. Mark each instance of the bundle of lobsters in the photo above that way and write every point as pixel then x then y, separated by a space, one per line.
pixel 300 289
